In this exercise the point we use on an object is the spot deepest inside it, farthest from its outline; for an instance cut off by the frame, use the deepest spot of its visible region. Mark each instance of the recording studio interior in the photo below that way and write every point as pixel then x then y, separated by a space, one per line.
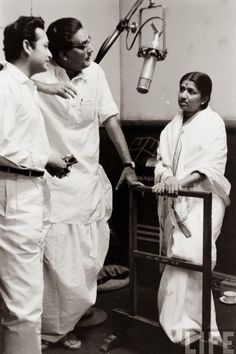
pixel 144 48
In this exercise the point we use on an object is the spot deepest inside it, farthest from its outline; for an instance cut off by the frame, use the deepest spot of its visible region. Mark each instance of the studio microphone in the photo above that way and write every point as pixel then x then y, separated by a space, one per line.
pixel 148 67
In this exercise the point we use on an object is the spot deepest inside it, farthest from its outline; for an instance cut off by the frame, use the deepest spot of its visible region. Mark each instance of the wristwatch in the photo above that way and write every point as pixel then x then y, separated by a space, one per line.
pixel 129 164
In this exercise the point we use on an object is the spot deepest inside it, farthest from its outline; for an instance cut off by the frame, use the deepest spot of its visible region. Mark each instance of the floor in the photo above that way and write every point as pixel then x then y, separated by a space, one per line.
pixel 94 337
pixel 137 341
pixel 148 340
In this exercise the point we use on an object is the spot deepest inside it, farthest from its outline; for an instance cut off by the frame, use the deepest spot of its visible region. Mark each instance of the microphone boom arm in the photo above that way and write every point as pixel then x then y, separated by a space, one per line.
pixel 122 25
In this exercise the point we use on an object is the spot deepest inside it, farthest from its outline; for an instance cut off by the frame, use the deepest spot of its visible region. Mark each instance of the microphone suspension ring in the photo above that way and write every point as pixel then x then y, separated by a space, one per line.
pixel 158 54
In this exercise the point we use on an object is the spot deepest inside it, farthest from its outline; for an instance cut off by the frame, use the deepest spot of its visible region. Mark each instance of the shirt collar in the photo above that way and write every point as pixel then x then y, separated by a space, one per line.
pixel 83 75
pixel 61 73
pixel 17 73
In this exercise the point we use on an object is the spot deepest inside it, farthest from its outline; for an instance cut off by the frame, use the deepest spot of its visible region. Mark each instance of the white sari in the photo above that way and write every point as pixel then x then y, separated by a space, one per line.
pixel 200 145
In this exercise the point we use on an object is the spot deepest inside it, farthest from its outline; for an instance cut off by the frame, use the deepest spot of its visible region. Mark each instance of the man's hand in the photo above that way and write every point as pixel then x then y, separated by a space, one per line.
pixel 56 166
pixel 63 89
pixel 128 174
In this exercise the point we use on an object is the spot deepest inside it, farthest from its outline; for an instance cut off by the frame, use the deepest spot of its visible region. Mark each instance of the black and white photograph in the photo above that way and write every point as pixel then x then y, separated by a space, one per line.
pixel 117 172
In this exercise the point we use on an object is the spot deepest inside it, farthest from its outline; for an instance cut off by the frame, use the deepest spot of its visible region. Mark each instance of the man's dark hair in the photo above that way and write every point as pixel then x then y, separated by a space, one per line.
pixel 15 33
pixel 60 33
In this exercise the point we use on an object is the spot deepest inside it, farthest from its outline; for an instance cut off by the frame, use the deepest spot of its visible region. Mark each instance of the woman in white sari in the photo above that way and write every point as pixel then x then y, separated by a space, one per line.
pixel 192 154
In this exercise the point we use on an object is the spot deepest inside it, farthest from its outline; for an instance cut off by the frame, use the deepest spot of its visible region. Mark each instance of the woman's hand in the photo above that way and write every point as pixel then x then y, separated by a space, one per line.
pixel 170 186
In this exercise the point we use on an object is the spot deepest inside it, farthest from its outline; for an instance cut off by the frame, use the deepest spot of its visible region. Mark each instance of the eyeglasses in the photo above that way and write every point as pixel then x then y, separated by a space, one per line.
pixel 84 45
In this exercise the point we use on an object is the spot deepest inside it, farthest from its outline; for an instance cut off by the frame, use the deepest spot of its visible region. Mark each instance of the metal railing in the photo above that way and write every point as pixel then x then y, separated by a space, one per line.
pixel 204 268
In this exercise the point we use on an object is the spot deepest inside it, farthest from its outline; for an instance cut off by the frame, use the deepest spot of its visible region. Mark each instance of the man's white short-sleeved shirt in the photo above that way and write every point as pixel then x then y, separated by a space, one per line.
pixel 23 139
pixel 73 128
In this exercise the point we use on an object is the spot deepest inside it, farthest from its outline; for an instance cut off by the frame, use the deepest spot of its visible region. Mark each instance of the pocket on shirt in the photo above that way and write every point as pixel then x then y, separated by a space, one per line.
pixel 81 113
pixel 86 111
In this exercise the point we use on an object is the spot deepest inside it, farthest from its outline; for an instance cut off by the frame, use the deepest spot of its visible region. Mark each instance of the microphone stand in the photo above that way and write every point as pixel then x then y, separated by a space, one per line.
pixel 122 25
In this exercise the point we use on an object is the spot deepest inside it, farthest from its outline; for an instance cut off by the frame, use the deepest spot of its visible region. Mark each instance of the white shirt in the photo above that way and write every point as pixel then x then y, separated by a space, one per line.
pixel 23 139
pixel 73 128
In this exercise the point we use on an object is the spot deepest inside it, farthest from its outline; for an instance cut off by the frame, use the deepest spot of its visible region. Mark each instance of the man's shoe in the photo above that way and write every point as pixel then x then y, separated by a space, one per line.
pixel 45 344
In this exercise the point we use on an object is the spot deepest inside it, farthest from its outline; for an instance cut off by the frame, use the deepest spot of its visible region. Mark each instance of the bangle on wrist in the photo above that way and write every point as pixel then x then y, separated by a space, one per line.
pixel 164 180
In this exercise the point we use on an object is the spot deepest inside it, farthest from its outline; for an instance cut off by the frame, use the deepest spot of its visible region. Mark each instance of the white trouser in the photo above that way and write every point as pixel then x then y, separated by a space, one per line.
pixel 74 254
pixel 23 223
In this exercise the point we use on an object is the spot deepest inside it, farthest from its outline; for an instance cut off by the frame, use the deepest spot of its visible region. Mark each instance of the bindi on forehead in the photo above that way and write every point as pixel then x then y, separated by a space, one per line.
pixel 188 83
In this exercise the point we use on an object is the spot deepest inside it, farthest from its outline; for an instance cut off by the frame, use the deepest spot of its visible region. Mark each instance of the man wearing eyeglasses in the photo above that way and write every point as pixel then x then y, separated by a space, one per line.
pixel 78 238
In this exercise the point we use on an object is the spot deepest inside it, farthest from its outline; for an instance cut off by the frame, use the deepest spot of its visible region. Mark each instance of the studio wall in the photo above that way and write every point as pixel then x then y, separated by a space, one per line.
pixel 200 36
pixel 99 18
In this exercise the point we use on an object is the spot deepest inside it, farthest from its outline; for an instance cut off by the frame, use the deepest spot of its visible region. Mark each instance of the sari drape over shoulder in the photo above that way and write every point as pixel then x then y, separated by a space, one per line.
pixel 207 150
pixel 198 145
